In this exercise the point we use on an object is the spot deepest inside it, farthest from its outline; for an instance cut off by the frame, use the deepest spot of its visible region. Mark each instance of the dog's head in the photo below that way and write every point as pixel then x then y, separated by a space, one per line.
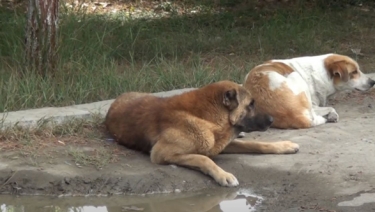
pixel 346 74
pixel 241 109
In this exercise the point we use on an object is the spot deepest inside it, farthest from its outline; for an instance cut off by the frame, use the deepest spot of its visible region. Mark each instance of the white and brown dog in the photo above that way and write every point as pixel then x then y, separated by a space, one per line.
pixel 294 91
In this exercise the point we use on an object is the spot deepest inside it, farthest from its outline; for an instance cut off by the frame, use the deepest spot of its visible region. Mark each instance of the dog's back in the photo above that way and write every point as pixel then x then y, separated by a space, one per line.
pixel 129 120
pixel 137 120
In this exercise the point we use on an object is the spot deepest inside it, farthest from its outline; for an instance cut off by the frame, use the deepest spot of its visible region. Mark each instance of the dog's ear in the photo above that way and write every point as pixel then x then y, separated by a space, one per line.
pixel 230 99
pixel 339 69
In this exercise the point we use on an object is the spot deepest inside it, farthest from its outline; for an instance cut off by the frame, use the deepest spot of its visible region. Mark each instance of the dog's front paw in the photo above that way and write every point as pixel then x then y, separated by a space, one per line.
pixel 286 147
pixel 332 117
pixel 227 179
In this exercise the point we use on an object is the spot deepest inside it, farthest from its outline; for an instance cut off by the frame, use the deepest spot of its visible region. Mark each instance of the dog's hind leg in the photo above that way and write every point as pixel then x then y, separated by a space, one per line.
pixel 294 82
pixel 280 147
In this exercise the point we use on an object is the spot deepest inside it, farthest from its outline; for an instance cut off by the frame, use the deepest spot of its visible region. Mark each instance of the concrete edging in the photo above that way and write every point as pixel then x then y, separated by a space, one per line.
pixel 58 115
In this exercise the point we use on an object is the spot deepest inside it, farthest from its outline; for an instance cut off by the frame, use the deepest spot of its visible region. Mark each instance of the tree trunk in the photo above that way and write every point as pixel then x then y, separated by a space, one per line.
pixel 41 36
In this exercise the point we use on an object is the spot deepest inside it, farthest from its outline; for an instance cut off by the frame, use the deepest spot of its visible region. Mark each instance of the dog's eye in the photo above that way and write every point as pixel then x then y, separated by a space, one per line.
pixel 252 103
pixel 355 72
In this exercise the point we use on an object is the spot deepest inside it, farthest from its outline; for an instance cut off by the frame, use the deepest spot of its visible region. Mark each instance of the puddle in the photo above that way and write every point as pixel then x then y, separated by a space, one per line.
pixel 242 202
pixel 358 201
pixel 209 201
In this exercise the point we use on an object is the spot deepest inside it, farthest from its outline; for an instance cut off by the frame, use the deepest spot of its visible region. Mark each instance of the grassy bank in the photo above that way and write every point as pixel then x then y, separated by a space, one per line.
pixel 103 55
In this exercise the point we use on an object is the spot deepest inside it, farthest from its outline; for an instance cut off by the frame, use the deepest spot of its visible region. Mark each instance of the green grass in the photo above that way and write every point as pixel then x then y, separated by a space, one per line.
pixel 101 56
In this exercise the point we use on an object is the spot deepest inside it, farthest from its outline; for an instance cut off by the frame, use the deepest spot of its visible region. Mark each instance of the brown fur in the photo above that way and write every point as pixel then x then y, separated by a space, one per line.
pixel 189 128
pixel 341 68
pixel 282 104
pixel 280 68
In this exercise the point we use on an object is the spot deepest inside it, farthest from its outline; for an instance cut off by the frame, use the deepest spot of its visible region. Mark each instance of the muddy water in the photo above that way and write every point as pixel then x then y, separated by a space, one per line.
pixel 207 201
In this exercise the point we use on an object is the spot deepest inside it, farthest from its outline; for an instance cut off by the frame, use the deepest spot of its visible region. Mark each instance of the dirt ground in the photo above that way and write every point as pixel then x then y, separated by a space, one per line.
pixel 335 163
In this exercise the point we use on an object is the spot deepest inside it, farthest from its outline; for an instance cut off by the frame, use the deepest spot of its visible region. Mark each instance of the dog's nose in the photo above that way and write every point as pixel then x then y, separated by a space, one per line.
pixel 269 119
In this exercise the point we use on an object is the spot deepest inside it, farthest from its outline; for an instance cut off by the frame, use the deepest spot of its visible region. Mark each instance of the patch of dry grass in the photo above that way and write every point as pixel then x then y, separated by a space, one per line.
pixel 84 141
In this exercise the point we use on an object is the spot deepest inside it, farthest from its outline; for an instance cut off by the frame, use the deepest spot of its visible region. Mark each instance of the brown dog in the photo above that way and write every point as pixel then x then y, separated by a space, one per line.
pixel 189 128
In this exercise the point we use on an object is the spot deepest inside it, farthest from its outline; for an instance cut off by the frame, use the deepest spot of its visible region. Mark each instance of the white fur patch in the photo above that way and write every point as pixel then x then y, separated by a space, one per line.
pixel 296 83
pixel 293 81
pixel 276 80
pixel 247 75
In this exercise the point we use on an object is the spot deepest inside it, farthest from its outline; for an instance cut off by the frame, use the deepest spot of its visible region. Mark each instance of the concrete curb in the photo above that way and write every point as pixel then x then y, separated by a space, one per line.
pixel 58 115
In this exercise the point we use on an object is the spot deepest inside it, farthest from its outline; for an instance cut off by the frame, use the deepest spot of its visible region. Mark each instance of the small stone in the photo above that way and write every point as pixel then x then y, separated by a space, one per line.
pixel 67 180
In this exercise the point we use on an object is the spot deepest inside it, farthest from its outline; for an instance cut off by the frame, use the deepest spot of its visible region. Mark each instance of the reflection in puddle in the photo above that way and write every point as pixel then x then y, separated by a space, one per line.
pixel 88 208
pixel 242 202
pixel 212 201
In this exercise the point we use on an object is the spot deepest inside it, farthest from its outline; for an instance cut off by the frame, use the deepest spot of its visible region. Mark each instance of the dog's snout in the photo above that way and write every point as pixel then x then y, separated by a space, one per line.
pixel 259 122
pixel 265 120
